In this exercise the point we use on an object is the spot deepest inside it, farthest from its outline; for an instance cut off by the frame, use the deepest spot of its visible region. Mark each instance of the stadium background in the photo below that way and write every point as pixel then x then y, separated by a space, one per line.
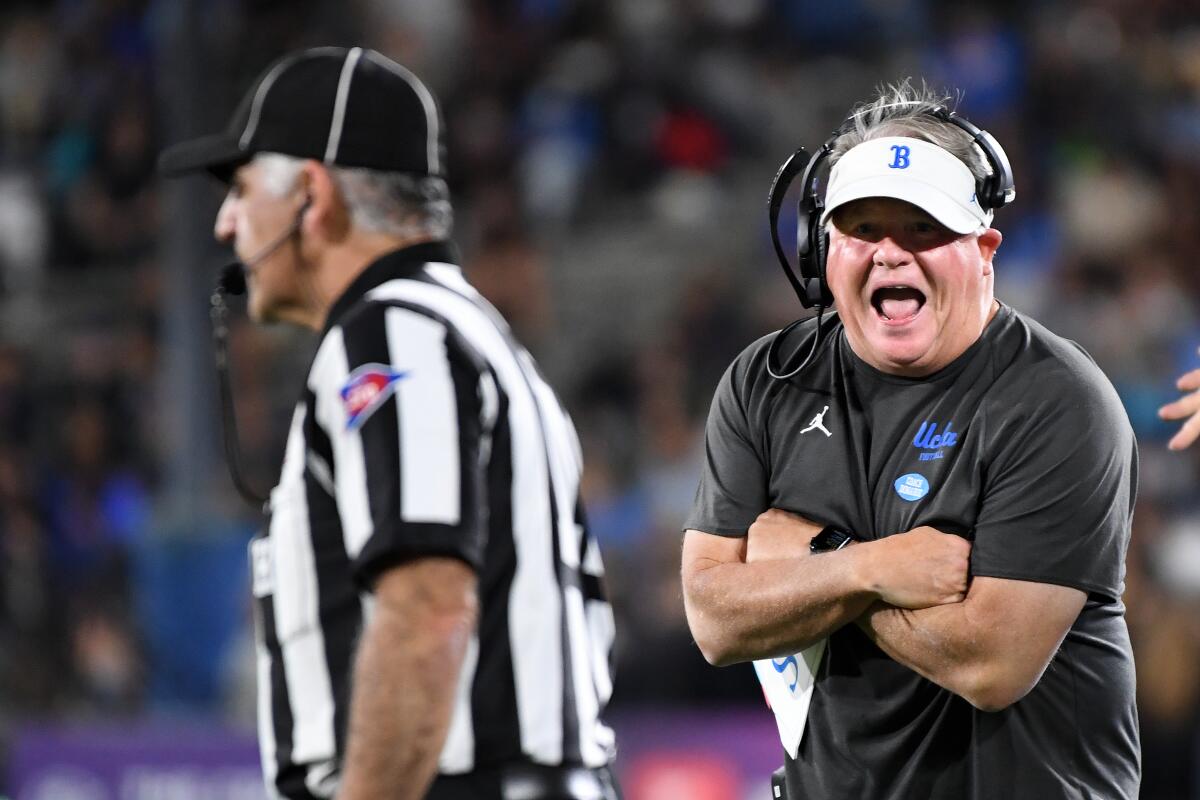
pixel 610 162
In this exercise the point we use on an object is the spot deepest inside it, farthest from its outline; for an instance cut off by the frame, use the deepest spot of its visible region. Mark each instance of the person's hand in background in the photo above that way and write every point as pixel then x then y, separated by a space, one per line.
pixel 1186 407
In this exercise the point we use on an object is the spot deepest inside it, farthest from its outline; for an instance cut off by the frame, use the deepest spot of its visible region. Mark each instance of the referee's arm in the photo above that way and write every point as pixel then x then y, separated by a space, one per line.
pixel 404 680
pixel 409 477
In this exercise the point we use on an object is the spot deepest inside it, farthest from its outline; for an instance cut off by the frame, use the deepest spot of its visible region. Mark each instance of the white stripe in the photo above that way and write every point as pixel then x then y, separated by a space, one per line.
pixel 566 469
pixel 266 719
pixel 297 620
pixel 602 631
pixel 431 116
pixel 259 97
pixel 458 753
pixel 329 373
pixel 339 104
pixel 322 778
pixel 427 413
pixel 534 613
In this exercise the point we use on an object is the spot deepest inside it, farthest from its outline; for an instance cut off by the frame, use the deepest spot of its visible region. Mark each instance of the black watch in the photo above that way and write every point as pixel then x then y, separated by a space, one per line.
pixel 831 537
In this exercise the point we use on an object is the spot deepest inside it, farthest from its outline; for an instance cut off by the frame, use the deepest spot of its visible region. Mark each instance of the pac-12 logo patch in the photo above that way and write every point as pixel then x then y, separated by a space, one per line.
pixel 365 390
pixel 911 487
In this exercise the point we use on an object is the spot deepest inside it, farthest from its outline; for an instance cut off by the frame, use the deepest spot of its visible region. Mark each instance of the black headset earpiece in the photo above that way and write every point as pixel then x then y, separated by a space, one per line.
pixel 999 188
pixel 812 242
pixel 779 187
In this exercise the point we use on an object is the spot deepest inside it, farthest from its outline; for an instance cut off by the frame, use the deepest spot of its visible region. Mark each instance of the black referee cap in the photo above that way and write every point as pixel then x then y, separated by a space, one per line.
pixel 351 107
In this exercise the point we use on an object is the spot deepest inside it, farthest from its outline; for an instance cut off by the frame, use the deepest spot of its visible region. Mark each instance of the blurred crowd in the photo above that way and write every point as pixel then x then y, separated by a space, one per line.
pixel 610 162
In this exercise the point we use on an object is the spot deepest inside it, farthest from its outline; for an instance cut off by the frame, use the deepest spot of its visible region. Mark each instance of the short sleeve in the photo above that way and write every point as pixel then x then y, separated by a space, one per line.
pixel 402 399
pixel 733 482
pixel 1058 498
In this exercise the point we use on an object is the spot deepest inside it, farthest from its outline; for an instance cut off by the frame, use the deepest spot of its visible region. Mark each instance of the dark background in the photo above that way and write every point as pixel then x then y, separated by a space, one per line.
pixel 610 162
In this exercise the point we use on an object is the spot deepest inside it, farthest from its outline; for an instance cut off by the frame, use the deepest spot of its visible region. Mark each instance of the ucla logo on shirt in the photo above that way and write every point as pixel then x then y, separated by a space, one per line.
pixel 932 441
pixel 911 487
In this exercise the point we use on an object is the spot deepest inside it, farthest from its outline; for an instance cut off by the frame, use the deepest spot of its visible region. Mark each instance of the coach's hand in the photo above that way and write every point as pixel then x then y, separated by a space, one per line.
pixel 921 568
pixel 779 534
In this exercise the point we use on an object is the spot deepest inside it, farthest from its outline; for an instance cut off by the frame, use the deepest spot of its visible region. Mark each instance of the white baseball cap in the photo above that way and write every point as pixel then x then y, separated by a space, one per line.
pixel 913 170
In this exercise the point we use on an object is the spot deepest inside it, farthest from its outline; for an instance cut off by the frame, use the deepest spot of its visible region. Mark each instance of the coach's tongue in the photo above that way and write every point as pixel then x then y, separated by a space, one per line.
pixel 898 303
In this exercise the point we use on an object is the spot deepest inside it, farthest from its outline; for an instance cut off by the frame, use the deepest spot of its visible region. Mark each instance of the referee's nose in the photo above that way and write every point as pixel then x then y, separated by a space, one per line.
pixel 225 226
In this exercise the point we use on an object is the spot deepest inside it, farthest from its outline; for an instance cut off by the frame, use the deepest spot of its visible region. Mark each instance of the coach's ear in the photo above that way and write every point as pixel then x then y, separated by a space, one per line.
pixel 326 217
pixel 989 243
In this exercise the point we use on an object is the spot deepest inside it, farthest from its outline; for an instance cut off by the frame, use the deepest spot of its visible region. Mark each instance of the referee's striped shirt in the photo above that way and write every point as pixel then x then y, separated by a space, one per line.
pixel 424 429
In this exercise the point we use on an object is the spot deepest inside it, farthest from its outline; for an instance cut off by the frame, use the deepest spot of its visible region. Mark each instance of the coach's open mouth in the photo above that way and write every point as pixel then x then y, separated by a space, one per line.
pixel 897 303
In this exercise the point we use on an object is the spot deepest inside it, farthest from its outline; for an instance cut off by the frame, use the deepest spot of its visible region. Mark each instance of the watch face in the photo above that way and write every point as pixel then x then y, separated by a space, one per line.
pixel 830 538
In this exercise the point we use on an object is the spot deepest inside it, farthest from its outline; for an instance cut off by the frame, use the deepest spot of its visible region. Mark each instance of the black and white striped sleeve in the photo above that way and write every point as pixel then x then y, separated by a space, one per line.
pixel 408 408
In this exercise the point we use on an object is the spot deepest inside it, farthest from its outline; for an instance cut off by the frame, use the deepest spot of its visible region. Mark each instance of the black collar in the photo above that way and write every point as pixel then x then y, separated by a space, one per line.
pixel 397 264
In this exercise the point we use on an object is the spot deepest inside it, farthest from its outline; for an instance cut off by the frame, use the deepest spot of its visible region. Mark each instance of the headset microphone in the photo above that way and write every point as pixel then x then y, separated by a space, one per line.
pixel 232 281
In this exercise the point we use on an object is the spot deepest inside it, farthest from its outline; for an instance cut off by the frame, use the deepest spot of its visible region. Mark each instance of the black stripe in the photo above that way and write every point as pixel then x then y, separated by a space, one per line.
pixel 465 369
pixel 494 692
pixel 340 608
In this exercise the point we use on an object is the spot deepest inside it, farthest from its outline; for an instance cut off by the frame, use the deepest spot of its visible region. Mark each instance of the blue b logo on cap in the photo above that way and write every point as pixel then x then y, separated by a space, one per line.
pixel 900 161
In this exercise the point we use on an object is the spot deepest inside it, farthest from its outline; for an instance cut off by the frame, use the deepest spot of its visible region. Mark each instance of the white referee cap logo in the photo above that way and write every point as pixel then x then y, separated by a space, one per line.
pixel 912 170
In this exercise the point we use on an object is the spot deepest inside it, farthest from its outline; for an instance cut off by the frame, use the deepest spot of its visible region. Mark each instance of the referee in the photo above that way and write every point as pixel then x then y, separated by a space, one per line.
pixel 430 618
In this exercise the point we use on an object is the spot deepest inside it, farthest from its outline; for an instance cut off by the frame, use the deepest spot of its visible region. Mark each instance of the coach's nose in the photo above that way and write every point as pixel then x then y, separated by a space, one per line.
pixel 889 252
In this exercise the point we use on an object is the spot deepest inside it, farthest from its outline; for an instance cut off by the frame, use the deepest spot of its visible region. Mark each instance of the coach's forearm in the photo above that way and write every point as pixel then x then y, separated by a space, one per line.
pixel 740 612
pixel 990 649
pixel 940 643
pixel 406 671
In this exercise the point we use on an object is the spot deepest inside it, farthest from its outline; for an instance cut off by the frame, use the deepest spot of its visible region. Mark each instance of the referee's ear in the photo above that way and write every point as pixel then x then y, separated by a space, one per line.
pixel 326 217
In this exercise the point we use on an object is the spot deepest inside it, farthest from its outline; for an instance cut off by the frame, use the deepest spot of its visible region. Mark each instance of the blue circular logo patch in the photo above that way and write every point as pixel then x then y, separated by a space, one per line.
pixel 912 486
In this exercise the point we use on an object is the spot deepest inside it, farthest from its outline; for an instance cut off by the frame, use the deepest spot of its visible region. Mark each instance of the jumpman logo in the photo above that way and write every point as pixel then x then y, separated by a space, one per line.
pixel 818 422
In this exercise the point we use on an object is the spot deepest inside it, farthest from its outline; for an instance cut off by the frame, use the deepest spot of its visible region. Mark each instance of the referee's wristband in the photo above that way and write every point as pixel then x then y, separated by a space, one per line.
pixel 830 538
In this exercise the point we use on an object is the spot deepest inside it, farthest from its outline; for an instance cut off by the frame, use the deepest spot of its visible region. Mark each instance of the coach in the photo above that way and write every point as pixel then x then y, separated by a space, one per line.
pixel 430 617
pixel 934 428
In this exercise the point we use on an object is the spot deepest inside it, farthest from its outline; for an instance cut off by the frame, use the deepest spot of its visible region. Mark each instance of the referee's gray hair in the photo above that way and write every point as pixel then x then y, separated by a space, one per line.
pixel 902 109
pixel 395 203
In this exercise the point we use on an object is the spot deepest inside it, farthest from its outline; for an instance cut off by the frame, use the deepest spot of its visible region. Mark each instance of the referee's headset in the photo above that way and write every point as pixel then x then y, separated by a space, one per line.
pixel 812 240
pixel 232 281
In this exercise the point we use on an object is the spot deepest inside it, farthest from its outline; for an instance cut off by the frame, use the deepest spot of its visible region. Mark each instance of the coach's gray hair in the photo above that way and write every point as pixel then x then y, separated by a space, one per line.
pixel 901 109
pixel 394 203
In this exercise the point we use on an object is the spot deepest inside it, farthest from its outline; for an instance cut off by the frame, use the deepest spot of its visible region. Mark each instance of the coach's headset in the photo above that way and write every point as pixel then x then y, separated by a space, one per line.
pixel 812 240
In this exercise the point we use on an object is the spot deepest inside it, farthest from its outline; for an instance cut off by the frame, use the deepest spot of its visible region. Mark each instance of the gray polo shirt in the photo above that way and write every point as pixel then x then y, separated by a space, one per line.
pixel 1021 445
